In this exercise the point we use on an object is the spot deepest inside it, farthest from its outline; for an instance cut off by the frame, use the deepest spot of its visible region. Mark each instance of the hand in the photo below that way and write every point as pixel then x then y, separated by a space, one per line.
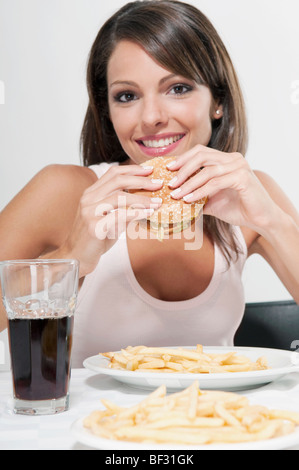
pixel 235 194
pixel 105 210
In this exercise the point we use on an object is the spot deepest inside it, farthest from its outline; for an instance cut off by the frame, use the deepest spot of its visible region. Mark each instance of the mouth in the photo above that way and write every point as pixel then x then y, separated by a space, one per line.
pixel 158 144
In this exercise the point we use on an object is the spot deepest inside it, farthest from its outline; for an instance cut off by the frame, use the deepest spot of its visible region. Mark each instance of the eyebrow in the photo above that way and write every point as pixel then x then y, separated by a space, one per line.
pixel 131 83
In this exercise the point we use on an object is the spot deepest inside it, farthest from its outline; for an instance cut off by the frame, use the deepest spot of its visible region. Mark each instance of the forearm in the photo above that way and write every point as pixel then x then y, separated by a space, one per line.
pixel 60 254
pixel 64 252
pixel 279 245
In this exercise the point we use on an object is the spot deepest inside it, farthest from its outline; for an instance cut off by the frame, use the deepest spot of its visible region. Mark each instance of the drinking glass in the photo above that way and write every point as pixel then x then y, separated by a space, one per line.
pixel 40 299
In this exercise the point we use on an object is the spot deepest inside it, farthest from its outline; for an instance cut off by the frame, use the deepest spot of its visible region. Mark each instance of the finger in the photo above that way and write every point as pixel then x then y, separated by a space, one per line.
pixel 121 182
pixel 212 187
pixel 197 163
pixel 182 159
pixel 116 170
pixel 206 174
pixel 121 200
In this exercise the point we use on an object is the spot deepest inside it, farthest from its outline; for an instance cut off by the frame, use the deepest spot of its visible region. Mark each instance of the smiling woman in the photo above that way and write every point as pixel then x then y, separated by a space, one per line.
pixel 160 83
pixel 186 86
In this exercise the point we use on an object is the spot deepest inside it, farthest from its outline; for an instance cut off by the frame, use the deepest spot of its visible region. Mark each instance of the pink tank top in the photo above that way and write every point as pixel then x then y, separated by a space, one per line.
pixel 114 311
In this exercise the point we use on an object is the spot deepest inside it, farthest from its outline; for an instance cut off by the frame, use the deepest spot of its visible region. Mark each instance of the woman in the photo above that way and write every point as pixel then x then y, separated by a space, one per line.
pixel 160 82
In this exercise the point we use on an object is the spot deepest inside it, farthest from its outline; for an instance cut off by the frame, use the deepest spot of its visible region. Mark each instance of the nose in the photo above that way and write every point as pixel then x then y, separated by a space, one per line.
pixel 154 113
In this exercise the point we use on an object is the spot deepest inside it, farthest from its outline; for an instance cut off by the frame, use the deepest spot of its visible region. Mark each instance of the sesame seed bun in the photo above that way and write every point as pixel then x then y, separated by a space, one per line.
pixel 174 215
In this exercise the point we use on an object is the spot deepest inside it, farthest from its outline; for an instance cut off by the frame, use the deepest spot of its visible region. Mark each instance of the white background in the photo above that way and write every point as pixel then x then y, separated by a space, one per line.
pixel 44 46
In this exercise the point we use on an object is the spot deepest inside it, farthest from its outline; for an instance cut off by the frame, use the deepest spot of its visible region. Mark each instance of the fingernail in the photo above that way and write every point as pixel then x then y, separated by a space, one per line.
pixel 176 192
pixel 155 181
pixel 188 197
pixel 147 167
pixel 171 164
pixel 173 181
pixel 157 200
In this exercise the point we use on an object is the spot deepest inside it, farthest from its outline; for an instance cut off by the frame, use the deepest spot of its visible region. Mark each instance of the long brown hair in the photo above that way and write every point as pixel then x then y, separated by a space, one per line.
pixel 182 40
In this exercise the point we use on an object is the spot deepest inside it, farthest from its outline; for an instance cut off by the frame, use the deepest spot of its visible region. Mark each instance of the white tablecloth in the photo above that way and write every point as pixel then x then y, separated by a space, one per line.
pixel 86 390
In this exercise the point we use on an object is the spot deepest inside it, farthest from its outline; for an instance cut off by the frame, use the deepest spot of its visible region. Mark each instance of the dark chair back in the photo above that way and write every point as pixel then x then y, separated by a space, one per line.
pixel 270 325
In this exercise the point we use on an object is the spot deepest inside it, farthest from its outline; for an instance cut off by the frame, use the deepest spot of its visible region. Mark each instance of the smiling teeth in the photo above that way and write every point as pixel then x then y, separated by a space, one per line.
pixel 162 142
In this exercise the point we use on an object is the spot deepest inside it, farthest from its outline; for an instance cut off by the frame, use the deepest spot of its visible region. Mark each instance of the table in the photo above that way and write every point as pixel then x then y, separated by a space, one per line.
pixel 19 432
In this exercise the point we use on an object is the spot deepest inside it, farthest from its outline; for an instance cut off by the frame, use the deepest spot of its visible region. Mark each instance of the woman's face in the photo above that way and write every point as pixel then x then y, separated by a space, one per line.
pixel 153 111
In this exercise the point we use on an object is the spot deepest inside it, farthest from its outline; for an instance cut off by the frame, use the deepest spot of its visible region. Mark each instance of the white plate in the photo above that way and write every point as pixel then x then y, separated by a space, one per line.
pixel 85 437
pixel 279 361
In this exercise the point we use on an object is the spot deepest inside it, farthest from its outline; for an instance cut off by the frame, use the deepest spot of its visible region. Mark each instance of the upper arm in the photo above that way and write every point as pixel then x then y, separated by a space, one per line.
pixel 40 216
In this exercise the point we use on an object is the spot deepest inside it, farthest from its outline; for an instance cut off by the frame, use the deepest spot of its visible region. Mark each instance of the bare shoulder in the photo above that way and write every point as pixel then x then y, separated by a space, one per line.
pixel 256 243
pixel 53 189
pixel 39 217
pixel 277 194
pixel 267 181
pixel 62 183
pixel 67 177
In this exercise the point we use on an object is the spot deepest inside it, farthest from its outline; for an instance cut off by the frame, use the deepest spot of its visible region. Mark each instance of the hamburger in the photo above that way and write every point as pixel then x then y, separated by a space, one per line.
pixel 173 216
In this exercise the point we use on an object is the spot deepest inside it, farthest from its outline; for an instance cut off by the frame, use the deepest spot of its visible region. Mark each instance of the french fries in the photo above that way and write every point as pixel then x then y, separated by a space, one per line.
pixel 191 417
pixel 142 358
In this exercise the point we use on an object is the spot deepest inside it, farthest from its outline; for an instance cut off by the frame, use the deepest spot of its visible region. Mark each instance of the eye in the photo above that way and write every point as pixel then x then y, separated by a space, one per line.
pixel 125 97
pixel 180 89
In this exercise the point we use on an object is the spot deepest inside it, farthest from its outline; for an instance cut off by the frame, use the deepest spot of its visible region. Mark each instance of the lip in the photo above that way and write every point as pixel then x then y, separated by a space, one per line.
pixel 161 151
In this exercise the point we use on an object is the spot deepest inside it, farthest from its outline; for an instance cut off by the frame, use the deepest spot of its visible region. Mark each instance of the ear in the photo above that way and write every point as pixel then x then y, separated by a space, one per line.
pixel 218 113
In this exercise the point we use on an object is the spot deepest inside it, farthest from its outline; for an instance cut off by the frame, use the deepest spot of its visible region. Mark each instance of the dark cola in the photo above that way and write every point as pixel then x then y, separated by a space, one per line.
pixel 40 355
